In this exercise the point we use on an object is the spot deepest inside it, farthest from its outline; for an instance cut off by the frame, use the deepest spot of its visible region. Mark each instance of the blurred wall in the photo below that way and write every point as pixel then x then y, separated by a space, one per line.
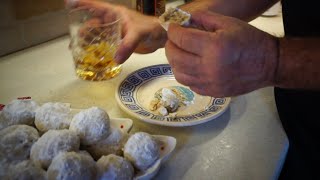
pixel 24 23
pixel 127 3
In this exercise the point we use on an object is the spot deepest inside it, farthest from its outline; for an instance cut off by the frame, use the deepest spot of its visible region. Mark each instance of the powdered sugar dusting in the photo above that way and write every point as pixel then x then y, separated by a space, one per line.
pixel 92 125
pixel 113 144
pixel 142 150
pixel 51 144
pixel 113 167
pixel 52 116
pixel 16 142
pixel 18 112
pixel 82 166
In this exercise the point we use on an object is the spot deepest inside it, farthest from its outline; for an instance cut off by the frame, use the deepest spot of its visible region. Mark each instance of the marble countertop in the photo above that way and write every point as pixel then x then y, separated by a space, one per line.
pixel 246 142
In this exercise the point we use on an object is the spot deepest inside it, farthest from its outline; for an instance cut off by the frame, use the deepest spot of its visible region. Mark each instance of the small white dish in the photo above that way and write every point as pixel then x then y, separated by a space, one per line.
pixel 124 124
pixel 137 90
pixel 167 145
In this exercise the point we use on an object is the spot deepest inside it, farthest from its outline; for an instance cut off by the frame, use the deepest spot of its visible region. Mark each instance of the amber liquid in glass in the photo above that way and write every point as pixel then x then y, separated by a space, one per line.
pixel 97 62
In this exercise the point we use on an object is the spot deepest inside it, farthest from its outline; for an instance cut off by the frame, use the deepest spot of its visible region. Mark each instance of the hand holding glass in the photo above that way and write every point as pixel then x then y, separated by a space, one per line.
pixel 95 38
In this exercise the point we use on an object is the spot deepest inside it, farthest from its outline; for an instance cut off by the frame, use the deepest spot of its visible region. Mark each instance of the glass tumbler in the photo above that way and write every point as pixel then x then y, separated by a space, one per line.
pixel 95 37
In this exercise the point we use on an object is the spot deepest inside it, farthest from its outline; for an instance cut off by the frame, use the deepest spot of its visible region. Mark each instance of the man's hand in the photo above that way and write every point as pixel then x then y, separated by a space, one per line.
pixel 140 33
pixel 227 57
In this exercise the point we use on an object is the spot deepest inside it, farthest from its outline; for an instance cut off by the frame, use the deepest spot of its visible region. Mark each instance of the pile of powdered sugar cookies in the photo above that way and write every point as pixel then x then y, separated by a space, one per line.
pixel 52 141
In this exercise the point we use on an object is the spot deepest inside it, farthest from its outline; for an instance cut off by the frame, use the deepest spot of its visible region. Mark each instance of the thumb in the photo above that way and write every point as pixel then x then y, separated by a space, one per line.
pixel 208 21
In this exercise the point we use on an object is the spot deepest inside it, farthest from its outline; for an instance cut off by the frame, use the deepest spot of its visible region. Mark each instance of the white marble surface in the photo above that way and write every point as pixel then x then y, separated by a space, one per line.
pixel 246 142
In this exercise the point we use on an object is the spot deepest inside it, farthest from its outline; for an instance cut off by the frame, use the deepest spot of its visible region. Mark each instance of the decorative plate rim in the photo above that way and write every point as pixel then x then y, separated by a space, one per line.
pixel 133 82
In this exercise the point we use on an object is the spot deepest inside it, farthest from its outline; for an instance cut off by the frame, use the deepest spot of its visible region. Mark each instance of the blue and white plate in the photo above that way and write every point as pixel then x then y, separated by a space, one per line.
pixel 135 93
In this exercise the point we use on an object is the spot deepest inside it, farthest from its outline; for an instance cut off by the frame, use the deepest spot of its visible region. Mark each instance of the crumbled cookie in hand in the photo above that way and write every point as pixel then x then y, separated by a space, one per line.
pixel 174 15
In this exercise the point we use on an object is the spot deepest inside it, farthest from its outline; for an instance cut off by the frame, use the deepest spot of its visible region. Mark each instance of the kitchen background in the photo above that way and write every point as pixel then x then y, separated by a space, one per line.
pixel 24 23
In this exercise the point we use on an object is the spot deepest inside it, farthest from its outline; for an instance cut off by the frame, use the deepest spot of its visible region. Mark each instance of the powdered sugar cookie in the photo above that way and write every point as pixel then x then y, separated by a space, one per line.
pixel 26 170
pixel 16 142
pixel 51 144
pixel 53 116
pixel 113 167
pixel 18 112
pixel 142 150
pixel 92 125
pixel 113 144
pixel 72 165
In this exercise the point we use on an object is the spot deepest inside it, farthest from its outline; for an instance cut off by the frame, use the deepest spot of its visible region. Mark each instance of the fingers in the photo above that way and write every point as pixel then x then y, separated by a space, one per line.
pixel 182 61
pixel 97 8
pixel 182 49
pixel 208 21
pixel 107 12
pixel 199 90
pixel 185 79
pixel 212 90
pixel 85 3
pixel 188 39
pixel 127 46
pixel 197 86
pixel 191 81
pixel 185 66
pixel 195 40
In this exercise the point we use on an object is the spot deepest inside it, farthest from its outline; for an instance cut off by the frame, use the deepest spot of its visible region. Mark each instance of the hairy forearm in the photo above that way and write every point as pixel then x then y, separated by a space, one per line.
pixel 246 10
pixel 299 63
